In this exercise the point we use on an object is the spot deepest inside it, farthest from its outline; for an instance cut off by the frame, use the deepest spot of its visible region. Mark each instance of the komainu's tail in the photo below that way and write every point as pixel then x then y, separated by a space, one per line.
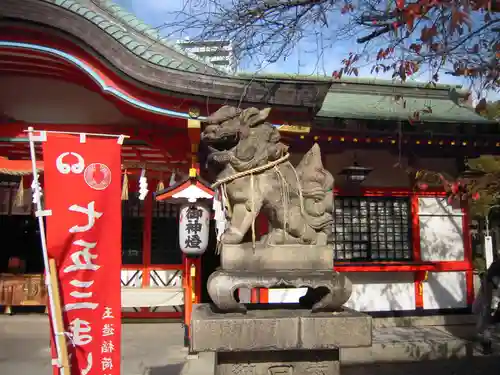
pixel 317 190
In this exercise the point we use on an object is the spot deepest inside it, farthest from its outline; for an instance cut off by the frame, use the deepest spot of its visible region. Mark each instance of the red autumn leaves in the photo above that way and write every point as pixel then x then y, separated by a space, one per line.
pixel 458 190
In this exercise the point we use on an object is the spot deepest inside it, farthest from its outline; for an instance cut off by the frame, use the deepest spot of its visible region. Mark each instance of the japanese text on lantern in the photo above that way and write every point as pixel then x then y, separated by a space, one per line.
pixel 82 259
pixel 193 227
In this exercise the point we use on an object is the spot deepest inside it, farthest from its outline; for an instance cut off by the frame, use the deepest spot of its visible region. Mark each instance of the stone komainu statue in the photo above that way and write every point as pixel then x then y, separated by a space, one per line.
pixel 256 176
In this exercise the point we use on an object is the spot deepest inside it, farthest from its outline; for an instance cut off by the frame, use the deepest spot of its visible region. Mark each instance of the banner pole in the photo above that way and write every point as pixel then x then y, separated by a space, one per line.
pixel 80 133
pixel 56 320
pixel 54 282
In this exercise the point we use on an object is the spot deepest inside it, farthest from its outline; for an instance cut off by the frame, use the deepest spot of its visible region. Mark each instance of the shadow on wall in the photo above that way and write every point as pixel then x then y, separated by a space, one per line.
pixel 441 231
pixel 442 239
pixel 382 291
pixel 173 369
pixel 393 292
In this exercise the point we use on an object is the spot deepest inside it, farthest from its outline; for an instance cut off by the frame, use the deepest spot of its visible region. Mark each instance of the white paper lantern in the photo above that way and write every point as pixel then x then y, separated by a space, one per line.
pixel 194 223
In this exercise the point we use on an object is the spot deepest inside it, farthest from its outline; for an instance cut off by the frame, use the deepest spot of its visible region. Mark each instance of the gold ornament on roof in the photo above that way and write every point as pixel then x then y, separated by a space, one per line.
pixel 194 112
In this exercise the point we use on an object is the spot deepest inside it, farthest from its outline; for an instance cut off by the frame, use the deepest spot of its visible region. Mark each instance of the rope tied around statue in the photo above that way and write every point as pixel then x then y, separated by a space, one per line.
pixel 285 189
pixel 285 192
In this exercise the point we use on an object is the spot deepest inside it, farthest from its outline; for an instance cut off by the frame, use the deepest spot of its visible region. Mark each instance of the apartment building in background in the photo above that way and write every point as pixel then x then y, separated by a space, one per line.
pixel 219 53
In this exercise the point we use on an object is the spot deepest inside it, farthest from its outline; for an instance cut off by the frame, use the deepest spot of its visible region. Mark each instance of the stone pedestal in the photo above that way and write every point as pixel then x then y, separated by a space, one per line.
pixel 268 266
pixel 278 342
pixel 265 257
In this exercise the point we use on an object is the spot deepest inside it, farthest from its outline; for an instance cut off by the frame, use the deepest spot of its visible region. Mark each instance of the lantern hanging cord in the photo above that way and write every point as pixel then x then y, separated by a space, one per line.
pixel 284 187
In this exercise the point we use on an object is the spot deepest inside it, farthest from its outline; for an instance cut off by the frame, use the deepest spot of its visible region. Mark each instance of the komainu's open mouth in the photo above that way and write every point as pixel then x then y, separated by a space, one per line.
pixel 220 142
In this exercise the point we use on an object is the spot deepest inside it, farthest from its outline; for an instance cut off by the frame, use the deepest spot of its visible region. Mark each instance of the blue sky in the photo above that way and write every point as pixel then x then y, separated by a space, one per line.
pixel 304 58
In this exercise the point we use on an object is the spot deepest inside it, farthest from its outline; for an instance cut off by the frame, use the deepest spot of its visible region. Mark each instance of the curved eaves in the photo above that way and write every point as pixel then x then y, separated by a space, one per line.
pixel 302 95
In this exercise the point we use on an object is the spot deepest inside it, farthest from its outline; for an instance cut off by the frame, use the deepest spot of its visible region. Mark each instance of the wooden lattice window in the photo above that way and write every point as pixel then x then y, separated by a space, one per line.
pixel 132 231
pixel 165 234
pixel 372 229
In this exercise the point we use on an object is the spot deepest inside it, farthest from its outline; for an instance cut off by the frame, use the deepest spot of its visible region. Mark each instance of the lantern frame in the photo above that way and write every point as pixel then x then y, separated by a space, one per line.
pixel 356 173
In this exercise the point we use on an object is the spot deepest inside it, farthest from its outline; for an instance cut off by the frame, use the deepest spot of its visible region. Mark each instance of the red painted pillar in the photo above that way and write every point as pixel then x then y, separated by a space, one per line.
pixel 188 293
pixel 419 276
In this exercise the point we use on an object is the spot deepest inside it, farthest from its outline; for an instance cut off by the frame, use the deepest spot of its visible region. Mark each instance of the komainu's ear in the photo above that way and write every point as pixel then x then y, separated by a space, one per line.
pixel 252 116
pixel 265 112
pixel 247 114
pixel 274 135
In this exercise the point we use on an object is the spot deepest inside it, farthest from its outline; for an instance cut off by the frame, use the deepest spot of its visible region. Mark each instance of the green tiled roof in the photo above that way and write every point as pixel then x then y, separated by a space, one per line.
pixel 383 100
pixel 138 37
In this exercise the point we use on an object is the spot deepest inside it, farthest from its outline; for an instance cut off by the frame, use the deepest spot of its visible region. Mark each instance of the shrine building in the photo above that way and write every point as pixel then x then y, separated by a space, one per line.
pixel 85 66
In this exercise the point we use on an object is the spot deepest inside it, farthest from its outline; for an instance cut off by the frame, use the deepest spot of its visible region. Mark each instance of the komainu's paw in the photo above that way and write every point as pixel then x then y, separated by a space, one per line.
pixel 232 236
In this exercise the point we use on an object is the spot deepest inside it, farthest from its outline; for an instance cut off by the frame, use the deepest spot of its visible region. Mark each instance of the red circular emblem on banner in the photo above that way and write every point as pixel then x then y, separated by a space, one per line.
pixel 97 176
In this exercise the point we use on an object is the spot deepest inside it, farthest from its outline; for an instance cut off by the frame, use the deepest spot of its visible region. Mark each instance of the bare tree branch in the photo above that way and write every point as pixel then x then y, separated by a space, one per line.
pixel 404 36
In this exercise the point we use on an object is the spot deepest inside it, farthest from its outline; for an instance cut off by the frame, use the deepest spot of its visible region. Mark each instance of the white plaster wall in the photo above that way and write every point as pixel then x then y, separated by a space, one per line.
pixel 167 296
pixel 441 240
pixel 129 276
pixel 445 290
pixel 165 278
pixel 135 282
pixel 276 295
pixel 441 231
pixel 382 291
pixel 45 100
pixel 292 295
pixel 428 206
pixel 371 291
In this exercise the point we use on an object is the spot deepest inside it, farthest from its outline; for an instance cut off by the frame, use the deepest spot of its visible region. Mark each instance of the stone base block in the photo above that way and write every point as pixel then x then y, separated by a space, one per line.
pixel 264 257
pixel 275 330
pixel 284 362
pixel 328 290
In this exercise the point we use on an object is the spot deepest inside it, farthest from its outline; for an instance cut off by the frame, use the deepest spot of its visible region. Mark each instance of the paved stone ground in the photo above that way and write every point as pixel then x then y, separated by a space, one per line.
pixel 464 366
pixel 156 349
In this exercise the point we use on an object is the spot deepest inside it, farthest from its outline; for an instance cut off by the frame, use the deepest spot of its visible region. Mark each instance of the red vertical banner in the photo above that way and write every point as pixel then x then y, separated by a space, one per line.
pixel 82 189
